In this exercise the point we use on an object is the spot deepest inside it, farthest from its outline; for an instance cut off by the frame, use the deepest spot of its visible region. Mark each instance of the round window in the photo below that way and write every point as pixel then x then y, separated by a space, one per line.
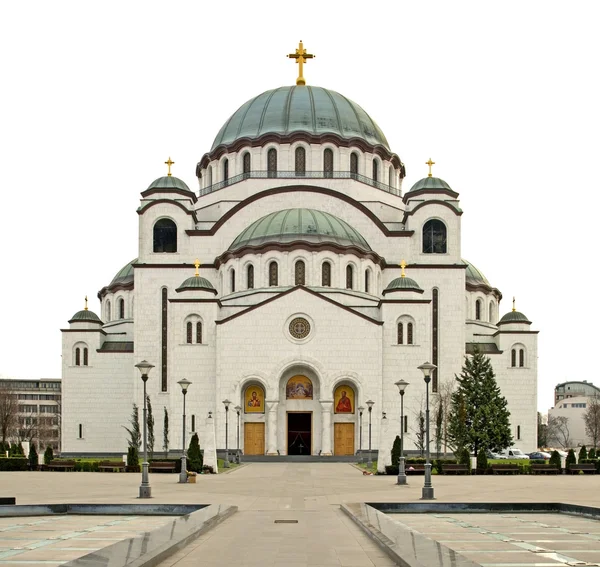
pixel 299 328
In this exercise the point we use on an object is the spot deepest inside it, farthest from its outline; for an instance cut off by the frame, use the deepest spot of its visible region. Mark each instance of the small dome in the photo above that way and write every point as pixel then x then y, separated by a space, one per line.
pixel 307 225
pixel 196 282
pixel 473 275
pixel 85 315
pixel 125 274
pixel 430 183
pixel 514 317
pixel 168 182
pixel 300 108
pixel 402 284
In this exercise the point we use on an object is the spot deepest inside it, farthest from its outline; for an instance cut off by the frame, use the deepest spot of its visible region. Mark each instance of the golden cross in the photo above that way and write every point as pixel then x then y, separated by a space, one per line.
pixel 429 163
pixel 197 264
pixel 300 56
pixel 514 308
pixel 169 163
pixel 403 265
pixel 86 303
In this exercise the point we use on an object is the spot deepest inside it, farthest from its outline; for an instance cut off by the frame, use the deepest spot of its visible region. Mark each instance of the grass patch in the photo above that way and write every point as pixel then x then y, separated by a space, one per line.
pixel 372 468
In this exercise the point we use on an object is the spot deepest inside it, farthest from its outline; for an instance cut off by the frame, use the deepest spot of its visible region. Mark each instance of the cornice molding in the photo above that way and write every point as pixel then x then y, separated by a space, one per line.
pixel 141 210
pixel 154 191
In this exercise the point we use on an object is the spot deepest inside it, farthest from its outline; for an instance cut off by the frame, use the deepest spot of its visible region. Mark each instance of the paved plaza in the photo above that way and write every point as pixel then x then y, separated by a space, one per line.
pixel 307 492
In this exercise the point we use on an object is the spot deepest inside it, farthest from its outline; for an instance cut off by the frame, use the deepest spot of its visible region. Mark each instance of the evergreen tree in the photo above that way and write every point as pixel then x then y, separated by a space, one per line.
pixel 479 418
pixel 150 423
pixel 482 462
pixel 420 435
pixel 33 457
pixel 582 454
pixel 48 455
pixel 166 433
pixel 571 459
pixel 439 425
pixel 396 449
pixel 135 439
pixel 592 453
pixel 555 459
pixel 194 456
pixel 133 458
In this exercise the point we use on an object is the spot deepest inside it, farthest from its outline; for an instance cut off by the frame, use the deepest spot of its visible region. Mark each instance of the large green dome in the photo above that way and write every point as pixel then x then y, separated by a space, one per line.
pixel 288 110
pixel 309 225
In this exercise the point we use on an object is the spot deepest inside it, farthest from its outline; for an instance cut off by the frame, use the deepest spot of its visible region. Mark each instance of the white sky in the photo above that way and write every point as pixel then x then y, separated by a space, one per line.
pixel 95 96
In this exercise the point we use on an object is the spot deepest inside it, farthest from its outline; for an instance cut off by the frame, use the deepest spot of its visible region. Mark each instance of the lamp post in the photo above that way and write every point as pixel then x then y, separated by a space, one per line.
pixel 145 489
pixel 185 384
pixel 427 493
pixel 226 403
pixel 401 470
pixel 370 404
pixel 238 409
pixel 360 412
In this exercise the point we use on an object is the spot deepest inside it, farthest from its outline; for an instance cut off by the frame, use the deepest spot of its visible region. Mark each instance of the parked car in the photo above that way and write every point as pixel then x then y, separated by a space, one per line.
pixel 539 455
pixel 512 453
pixel 492 455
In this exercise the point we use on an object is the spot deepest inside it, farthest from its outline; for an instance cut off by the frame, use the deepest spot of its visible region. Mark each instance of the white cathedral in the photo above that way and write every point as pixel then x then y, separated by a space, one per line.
pixel 299 281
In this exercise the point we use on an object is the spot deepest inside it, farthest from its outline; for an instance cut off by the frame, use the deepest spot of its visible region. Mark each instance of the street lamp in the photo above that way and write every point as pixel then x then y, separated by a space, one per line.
pixel 370 403
pixel 401 470
pixel 145 489
pixel 427 493
pixel 226 403
pixel 185 384
pixel 360 412
pixel 238 409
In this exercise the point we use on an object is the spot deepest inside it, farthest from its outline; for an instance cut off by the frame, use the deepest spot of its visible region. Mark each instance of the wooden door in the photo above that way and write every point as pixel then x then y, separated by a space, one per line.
pixel 343 439
pixel 254 438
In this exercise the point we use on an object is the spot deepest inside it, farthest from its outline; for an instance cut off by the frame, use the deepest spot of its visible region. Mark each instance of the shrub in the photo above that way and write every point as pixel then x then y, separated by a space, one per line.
pixel 592 453
pixel 13 464
pixel 464 457
pixel 555 459
pixel 392 470
pixel 195 459
pixel 482 462
pixel 571 459
pixel 582 454
pixel 33 457
pixel 133 458
pixel 396 451
pixel 48 455
pixel 438 464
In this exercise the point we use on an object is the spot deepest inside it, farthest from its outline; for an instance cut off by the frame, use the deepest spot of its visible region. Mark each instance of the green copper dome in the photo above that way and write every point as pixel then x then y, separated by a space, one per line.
pixel 514 317
pixel 474 276
pixel 287 110
pixel 85 315
pixel 402 284
pixel 430 183
pixel 168 182
pixel 125 274
pixel 308 225
pixel 196 282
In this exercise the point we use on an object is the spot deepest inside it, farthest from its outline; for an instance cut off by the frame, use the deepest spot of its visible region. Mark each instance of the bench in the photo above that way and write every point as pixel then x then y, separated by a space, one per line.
pixel 585 467
pixel 455 469
pixel 546 469
pixel 162 466
pixel 506 469
pixel 111 466
pixel 61 466
pixel 417 468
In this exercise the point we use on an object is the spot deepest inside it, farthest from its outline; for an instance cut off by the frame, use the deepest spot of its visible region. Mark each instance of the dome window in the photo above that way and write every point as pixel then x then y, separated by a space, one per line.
pixel 273 274
pixel 232 276
pixel 77 356
pixel 300 273
pixel 434 237
pixel 272 163
pixel 121 308
pixel 326 274
pixel 165 236
pixel 367 280
pixel 225 170
pixel 250 276
pixel 300 159
pixel 353 165
pixel 328 162
pixel 478 310
pixel 375 170
pixel 349 277
pixel 246 163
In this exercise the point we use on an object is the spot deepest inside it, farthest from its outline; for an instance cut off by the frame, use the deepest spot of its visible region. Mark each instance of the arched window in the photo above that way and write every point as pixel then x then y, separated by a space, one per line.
pixel 77 356
pixel 232 284
pixel 328 162
pixel 375 170
pixel 434 237
pixel 193 423
pixel 353 165
pixel 367 280
pixel 250 276
pixel 491 313
pixel 121 308
pixel 108 311
pixel 391 177
pixel 300 273
pixel 400 333
pixel 272 163
pixel 273 274
pixel 199 332
pixel 225 170
pixel 210 176
pixel 513 357
pixel 300 161
pixel 85 356
pixel 478 310
pixel 409 334
pixel 165 236
pixel 521 358
pixel 349 277
pixel 246 163
pixel 326 274
pixel 189 333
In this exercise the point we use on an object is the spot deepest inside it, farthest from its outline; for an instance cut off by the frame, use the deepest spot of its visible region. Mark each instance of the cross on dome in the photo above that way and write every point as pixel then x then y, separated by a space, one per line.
pixel 429 163
pixel 301 56
pixel 169 163
pixel 86 307
pixel 403 265
pixel 514 308
pixel 197 264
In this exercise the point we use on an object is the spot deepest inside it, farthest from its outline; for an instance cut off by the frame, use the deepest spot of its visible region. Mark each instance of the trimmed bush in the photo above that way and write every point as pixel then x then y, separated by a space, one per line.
pixel 392 470
pixel 592 453
pixel 571 459
pixel 133 459
pixel 33 457
pixel 482 462
pixel 582 454
pixel 48 455
pixel 464 457
pixel 555 460
pixel 396 451
pixel 194 456
pixel 13 463
pixel 438 464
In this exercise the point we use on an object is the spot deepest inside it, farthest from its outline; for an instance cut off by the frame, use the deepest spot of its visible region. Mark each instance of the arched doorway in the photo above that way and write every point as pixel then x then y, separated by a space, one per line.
pixel 253 403
pixel 344 420
pixel 299 421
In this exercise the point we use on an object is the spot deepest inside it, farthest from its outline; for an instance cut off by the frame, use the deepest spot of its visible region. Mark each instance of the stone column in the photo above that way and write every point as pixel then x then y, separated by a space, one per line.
pixel 272 427
pixel 326 433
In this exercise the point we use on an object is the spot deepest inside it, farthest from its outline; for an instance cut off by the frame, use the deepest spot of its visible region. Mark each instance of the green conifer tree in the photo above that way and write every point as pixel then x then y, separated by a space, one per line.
pixel 166 433
pixel 555 459
pixel 592 453
pixel 479 418
pixel 48 455
pixel 33 457
pixel 396 449
pixel 150 423
pixel 582 454
pixel 194 456
pixel 571 459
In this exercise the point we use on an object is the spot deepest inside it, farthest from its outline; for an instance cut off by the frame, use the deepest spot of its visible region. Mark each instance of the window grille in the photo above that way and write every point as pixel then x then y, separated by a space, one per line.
pixel 300 273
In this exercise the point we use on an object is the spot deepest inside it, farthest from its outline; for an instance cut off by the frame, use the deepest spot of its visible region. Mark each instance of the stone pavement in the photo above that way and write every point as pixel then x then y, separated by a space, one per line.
pixel 307 492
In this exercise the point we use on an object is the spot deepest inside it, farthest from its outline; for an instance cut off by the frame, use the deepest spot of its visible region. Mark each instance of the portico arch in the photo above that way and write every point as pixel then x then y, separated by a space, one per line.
pixel 346 419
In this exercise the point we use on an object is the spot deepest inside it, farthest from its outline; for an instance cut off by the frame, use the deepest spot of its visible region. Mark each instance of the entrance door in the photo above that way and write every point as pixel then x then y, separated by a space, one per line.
pixel 299 433
pixel 343 439
pixel 254 438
